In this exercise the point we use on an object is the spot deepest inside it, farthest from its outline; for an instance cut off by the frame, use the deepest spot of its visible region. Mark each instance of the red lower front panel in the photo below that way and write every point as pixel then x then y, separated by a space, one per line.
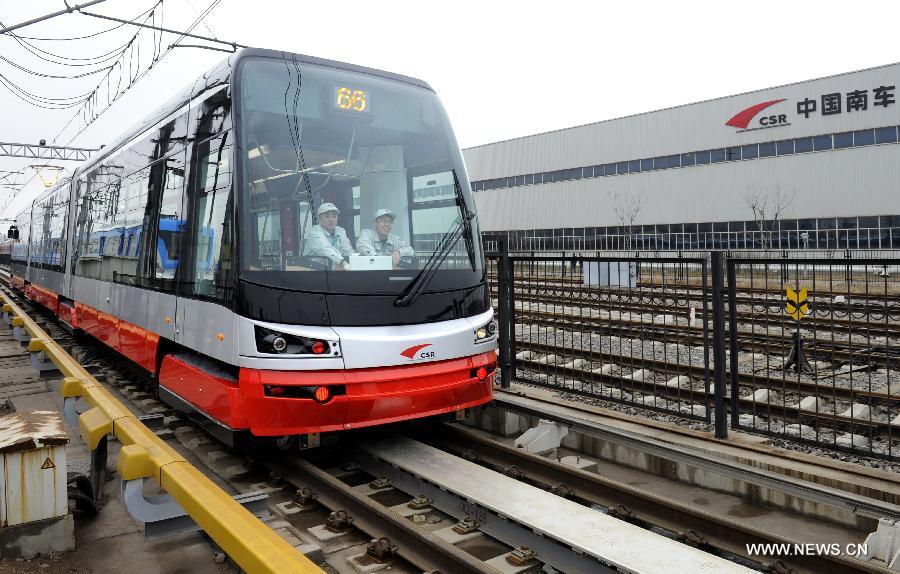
pixel 373 396
pixel 218 397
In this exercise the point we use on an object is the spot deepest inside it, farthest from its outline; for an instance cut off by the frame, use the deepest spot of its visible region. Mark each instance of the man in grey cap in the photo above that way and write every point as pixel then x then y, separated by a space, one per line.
pixel 380 241
pixel 328 239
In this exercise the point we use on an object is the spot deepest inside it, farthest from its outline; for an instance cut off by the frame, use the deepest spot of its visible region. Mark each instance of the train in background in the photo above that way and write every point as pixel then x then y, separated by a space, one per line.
pixel 188 247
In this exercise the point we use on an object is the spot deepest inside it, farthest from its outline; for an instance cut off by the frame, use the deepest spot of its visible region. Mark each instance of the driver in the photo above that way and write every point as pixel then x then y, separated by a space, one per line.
pixel 380 241
pixel 327 239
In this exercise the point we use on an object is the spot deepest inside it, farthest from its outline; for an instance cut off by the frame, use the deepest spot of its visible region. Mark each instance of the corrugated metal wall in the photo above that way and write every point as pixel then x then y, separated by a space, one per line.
pixel 854 181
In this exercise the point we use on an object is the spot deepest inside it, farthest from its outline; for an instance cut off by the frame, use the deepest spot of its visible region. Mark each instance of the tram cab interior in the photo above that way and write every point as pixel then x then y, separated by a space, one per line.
pixel 376 145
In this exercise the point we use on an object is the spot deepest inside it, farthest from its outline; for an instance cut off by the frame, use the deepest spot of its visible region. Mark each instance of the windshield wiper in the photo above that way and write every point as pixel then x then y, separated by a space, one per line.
pixel 466 219
pixel 445 246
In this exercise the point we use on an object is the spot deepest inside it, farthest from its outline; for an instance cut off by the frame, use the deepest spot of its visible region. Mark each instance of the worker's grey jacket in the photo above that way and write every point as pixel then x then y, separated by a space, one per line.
pixel 335 246
pixel 370 244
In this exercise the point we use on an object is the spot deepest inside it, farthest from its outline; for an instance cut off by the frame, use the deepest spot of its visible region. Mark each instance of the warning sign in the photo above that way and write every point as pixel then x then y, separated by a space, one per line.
pixel 796 305
pixel 48 464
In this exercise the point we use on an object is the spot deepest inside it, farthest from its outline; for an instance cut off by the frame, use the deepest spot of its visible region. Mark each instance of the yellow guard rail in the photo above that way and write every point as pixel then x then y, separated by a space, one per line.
pixel 251 544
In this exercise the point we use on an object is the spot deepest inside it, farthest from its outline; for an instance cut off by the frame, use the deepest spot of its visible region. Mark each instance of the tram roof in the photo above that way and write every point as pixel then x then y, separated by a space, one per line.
pixel 220 74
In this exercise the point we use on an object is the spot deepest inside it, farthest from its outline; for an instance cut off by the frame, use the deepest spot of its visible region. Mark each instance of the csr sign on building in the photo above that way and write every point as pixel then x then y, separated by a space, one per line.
pixel 830 104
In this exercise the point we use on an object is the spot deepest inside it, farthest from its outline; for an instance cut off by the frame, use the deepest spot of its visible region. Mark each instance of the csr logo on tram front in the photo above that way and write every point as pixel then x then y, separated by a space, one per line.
pixel 416 352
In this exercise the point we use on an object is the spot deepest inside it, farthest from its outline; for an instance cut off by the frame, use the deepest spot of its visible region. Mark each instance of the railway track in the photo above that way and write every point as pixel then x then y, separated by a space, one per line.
pixel 606 489
pixel 343 511
pixel 352 526
pixel 871 319
pixel 658 396
pixel 857 301
pixel 836 352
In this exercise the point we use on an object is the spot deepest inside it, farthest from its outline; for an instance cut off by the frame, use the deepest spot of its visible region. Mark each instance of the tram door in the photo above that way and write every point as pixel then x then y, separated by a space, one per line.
pixel 163 228
pixel 206 274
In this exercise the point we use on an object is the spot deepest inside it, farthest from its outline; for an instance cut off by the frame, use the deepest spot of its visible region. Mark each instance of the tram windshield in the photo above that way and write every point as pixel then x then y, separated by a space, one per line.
pixel 351 183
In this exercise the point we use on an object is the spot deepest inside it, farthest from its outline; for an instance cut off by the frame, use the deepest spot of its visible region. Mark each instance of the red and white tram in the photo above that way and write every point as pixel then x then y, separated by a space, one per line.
pixel 187 246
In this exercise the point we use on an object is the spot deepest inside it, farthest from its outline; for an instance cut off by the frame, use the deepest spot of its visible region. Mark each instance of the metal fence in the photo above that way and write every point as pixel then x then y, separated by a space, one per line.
pixel 799 345
pixel 589 326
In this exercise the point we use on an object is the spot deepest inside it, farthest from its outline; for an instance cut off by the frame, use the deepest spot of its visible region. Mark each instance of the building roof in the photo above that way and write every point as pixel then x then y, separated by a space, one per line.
pixel 680 106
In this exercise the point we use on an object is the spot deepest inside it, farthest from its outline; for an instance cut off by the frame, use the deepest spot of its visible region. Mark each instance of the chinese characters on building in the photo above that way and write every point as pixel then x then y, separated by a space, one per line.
pixel 855 101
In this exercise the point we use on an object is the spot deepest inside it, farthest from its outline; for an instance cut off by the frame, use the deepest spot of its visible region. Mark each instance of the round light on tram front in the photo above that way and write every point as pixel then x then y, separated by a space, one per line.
pixel 322 394
pixel 279 344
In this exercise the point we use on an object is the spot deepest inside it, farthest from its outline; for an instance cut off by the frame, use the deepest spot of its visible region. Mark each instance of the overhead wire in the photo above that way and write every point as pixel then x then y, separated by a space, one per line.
pixel 51 103
pixel 101 58
pixel 40 101
pixel 95 34
pixel 87 106
pixel 90 100
pixel 68 102
pixel 50 76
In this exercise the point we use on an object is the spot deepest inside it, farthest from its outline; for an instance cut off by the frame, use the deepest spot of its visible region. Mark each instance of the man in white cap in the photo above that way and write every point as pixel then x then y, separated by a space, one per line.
pixel 380 241
pixel 328 239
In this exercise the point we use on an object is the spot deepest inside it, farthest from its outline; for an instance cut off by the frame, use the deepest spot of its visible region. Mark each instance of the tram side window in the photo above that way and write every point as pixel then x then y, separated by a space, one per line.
pixel 212 221
pixel 20 247
pixel 55 252
pixel 133 201
pixel 49 239
pixel 96 236
pixel 167 244
pixel 41 215
pixel 111 251
pixel 82 226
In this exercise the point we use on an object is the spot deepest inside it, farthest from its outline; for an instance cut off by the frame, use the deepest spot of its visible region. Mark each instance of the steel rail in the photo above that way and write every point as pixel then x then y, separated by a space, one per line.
pixel 685 290
pixel 699 371
pixel 643 304
pixel 681 395
pixel 251 544
pixel 830 350
pixel 416 545
pixel 562 533
pixel 718 531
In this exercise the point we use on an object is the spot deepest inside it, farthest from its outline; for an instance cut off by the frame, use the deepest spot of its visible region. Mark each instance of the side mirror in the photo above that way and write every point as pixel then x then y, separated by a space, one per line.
pixel 9 233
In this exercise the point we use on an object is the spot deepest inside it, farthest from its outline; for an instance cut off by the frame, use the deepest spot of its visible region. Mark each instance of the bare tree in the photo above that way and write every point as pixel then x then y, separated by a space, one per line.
pixel 767 207
pixel 627 207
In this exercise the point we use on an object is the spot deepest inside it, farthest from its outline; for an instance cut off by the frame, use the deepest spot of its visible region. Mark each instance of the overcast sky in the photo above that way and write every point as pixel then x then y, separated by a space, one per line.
pixel 502 69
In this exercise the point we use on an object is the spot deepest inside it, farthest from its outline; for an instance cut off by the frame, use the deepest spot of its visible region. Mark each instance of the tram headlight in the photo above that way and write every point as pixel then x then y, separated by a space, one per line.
pixel 275 343
pixel 485 332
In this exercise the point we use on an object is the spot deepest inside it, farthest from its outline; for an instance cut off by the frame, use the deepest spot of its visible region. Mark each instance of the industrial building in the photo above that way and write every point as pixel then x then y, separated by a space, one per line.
pixel 813 164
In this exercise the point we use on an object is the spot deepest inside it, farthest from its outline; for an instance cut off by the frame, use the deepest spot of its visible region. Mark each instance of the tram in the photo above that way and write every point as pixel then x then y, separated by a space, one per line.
pixel 188 247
